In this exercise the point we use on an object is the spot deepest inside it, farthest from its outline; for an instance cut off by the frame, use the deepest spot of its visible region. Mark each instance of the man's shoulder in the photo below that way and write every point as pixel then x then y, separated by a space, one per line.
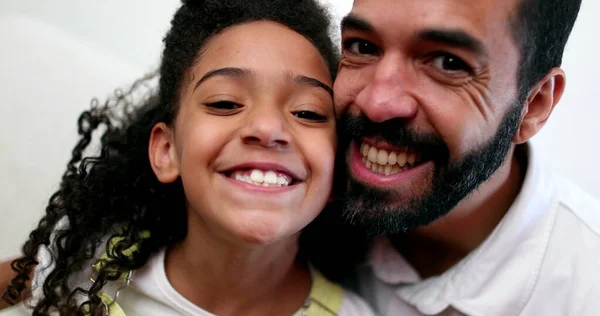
pixel 576 229
pixel 569 271
pixel 545 185
pixel 574 202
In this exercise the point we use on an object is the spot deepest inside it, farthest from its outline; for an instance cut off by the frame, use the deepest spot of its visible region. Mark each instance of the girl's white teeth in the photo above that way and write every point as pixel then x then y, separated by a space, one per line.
pixel 383 162
pixel 257 176
pixel 283 181
pixel 270 177
pixel 262 178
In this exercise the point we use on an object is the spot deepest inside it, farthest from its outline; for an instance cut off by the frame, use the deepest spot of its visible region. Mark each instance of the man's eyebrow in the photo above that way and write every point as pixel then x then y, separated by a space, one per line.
pixel 456 38
pixel 231 72
pixel 312 82
pixel 354 22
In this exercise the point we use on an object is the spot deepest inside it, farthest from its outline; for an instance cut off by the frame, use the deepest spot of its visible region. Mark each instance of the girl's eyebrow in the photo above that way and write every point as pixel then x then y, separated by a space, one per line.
pixel 234 72
pixel 231 72
pixel 312 82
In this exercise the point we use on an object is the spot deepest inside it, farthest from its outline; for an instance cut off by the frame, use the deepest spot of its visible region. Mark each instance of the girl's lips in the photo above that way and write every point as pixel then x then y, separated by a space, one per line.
pixel 264 166
pixel 253 188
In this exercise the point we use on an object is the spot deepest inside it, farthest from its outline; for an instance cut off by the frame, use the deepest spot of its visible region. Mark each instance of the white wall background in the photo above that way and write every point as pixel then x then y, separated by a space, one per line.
pixel 56 55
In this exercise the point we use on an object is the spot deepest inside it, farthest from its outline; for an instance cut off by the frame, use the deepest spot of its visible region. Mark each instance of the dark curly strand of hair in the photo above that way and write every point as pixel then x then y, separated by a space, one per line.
pixel 115 193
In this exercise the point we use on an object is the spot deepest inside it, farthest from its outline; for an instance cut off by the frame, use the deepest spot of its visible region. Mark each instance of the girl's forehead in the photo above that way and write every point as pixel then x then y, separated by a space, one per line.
pixel 262 47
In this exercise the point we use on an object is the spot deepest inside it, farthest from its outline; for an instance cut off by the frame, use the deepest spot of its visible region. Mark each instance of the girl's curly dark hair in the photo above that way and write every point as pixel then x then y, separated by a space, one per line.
pixel 115 193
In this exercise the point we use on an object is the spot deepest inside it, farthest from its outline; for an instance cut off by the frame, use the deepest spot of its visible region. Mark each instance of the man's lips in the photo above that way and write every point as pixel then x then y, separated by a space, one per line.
pixel 388 175
pixel 386 159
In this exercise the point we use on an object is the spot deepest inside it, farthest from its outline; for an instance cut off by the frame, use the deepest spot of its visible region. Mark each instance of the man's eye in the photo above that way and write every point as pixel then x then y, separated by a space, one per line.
pixel 310 116
pixel 360 47
pixel 224 105
pixel 451 64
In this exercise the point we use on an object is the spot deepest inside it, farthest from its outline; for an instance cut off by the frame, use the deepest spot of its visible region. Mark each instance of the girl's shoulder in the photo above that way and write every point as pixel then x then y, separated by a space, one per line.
pixel 354 305
pixel 46 258
pixel 333 298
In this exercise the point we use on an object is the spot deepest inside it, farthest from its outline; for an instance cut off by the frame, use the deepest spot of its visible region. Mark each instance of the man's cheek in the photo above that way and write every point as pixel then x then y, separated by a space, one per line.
pixel 343 101
pixel 342 95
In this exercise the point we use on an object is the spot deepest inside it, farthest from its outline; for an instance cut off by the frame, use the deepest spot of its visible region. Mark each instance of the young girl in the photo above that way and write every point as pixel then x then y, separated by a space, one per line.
pixel 195 203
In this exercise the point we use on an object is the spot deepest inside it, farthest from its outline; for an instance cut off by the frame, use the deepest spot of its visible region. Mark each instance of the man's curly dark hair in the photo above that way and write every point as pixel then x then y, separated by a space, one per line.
pixel 115 193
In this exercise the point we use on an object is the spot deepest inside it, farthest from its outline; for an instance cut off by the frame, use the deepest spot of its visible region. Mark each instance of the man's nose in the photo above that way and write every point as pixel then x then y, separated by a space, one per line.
pixel 387 94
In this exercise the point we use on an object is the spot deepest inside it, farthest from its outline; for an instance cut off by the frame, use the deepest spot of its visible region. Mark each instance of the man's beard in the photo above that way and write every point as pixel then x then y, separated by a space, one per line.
pixel 377 211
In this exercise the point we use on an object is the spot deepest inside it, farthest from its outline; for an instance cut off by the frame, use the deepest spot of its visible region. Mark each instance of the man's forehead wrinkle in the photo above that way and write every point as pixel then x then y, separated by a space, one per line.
pixel 473 17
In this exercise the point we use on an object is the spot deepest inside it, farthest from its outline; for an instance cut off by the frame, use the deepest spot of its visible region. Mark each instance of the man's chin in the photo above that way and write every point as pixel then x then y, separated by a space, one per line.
pixel 379 211
pixel 382 223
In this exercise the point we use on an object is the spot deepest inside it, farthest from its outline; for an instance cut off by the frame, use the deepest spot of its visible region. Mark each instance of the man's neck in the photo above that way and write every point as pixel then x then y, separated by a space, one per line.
pixel 435 248
pixel 225 278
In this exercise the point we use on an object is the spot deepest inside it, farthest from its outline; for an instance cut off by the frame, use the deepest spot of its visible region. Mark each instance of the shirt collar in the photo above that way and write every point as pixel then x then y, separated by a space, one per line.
pixel 496 278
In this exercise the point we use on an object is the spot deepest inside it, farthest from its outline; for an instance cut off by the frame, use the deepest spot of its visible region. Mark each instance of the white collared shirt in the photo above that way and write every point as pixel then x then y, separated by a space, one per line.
pixel 543 258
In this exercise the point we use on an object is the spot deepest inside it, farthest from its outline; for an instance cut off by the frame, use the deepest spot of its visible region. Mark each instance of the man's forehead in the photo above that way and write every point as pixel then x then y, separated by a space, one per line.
pixel 474 16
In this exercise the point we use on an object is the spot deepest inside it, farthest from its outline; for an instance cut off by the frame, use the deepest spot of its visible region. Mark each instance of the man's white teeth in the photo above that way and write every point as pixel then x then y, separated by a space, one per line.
pixel 392 158
pixel 384 162
pixel 411 159
pixel 382 157
pixel 262 178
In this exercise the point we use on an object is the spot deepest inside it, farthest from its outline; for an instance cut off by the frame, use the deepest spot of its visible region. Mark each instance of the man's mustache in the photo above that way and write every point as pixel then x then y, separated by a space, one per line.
pixel 394 132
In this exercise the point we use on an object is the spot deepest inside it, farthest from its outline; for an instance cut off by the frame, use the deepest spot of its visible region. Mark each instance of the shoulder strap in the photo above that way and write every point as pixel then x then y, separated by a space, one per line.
pixel 325 297
pixel 110 303
pixel 113 308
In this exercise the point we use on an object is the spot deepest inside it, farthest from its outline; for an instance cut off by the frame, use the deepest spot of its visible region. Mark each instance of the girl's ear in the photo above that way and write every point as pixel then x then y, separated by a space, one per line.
pixel 162 154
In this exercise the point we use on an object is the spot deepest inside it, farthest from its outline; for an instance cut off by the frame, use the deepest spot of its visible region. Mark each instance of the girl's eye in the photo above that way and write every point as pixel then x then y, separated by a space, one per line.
pixel 224 105
pixel 310 116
